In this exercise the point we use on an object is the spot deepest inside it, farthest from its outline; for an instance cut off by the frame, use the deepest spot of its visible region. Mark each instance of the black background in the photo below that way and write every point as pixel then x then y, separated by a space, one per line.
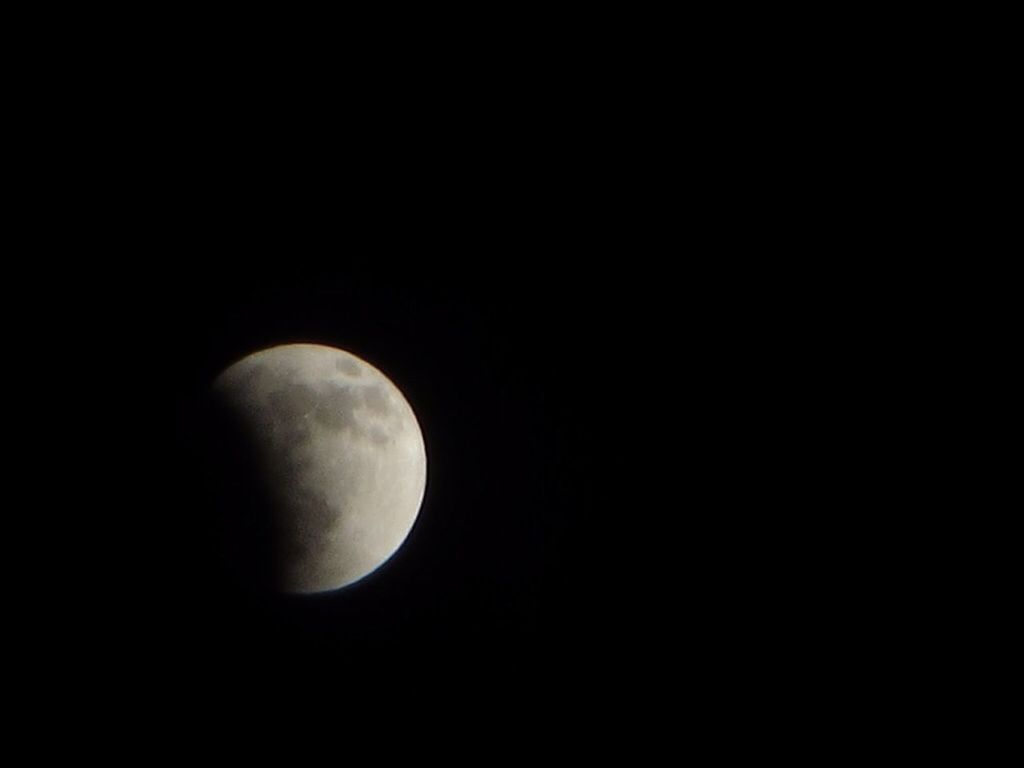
pixel 631 308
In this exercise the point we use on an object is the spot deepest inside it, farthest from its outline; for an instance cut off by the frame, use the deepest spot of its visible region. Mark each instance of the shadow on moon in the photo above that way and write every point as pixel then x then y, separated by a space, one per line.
pixel 243 526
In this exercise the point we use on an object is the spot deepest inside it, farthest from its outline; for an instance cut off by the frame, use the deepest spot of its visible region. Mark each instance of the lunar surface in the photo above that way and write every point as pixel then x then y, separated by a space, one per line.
pixel 339 462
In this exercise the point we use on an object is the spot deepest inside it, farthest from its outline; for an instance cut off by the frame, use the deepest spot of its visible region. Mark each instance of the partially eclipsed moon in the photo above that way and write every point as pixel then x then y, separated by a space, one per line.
pixel 340 459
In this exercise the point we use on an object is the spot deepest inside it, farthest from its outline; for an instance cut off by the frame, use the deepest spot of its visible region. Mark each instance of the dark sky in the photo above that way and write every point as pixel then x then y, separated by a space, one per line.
pixel 628 342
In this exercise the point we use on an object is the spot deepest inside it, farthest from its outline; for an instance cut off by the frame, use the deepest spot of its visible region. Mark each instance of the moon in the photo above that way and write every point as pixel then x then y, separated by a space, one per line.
pixel 339 463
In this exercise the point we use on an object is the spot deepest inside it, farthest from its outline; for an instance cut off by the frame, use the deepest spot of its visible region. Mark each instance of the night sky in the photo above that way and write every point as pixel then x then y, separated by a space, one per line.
pixel 644 353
